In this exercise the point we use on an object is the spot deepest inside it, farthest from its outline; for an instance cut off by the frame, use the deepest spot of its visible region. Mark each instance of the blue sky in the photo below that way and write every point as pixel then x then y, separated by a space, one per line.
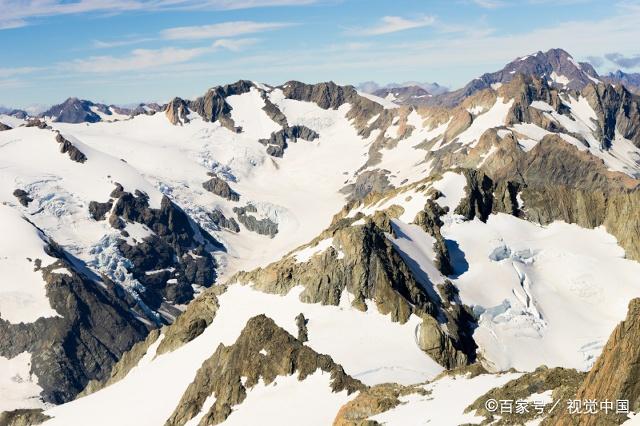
pixel 124 51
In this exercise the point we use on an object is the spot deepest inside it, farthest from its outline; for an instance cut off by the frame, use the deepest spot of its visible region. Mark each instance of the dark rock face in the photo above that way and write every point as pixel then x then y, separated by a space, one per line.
pixel 617 110
pixel 75 110
pixel 261 226
pixel 277 142
pixel 223 222
pixel 274 112
pixel 221 188
pixel 325 95
pixel 23 197
pixel 98 211
pixel 479 199
pixel 4 127
pixel 221 374
pixel 178 250
pixel 214 107
pixel 429 220
pixel 97 324
pixel 70 149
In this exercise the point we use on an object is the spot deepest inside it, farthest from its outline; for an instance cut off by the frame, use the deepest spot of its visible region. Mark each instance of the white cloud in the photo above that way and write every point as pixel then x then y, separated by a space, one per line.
pixel 139 59
pixel 16 13
pixel 489 4
pixel 100 44
pixel 223 29
pixel 11 72
pixel 235 45
pixel 392 24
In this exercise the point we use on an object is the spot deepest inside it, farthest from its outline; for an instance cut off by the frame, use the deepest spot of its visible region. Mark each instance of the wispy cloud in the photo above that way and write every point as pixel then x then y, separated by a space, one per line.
pixel 18 13
pixel 490 4
pixel 235 45
pixel 102 44
pixel 139 59
pixel 151 59
pixel 623 61
pixel 392 24
pixel 223 29
pixel 12 72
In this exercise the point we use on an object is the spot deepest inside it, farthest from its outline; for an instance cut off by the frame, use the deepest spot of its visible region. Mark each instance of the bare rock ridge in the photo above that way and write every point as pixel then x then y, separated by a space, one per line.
pixel 370 269
pixel 262 352
pixel 66 147
pixel 4 127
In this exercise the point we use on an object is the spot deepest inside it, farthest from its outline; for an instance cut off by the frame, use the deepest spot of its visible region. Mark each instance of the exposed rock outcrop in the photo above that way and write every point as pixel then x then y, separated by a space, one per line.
pixel 191 323
pixel 23 417
pixel 264 226
pixel 363 262
pixel 220 187
pixel 214 107
pixel 4 127
pixel 372 401
pixel 222 222
pixel 177 111
pixel 23 197
pixel 367 183
pixel 563 382
pixel 98 211
pixel 66 147
pixel 263 351
pixel 277 142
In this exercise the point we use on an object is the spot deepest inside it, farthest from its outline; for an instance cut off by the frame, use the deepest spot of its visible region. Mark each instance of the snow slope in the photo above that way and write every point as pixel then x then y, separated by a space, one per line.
pixel 544 295
pixel 150 392
pixel 23 296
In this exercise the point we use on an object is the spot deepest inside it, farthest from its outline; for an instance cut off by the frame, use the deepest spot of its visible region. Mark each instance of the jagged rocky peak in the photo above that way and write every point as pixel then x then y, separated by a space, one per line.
pixel 212 106
pixel 264 352
pixel 556 66
pixel 75 110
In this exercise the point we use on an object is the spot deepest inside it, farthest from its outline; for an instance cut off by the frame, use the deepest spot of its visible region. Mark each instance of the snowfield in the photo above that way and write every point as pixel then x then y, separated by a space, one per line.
pixel 150 392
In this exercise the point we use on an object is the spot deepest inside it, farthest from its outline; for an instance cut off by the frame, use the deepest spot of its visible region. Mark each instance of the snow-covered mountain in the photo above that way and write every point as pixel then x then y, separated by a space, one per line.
pixel 311 253
pixel 75 110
